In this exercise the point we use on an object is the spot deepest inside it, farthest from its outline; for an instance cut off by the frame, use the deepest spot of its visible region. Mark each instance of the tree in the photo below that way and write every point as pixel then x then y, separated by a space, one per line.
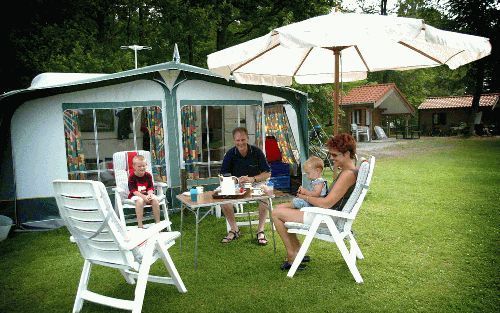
pixel 479 17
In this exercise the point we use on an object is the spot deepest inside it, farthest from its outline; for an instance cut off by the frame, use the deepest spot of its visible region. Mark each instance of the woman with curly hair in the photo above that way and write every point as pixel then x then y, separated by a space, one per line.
pixel 342 150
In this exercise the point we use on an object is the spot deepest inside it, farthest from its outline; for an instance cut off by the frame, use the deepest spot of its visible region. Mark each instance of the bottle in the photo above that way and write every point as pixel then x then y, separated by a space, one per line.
pixel 194 194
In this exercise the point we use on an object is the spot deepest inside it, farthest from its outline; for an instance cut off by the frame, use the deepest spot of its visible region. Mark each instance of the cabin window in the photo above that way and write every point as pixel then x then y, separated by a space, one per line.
pixel 439 118
pixel 207 134
pixel 356 116
pixel 93 135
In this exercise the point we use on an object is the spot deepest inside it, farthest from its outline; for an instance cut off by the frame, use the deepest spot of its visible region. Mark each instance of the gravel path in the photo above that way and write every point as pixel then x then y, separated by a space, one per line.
pixel 386 148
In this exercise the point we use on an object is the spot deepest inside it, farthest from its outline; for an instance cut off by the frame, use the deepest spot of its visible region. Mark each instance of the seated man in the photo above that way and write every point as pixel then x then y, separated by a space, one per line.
pixel 249 164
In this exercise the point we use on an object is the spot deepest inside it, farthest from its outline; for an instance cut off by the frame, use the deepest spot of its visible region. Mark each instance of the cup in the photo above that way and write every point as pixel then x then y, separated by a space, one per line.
pixel 199 189
pixel 194 194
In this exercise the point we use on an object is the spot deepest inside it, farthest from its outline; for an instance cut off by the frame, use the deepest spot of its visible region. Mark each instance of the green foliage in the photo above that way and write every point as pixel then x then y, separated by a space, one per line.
pixel 479 17
pixel 428 229
pixel 85 36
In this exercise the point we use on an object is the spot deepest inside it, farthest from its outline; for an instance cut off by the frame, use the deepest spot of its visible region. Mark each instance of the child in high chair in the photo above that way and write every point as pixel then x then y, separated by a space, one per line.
pixel 313 168
pixel 141 190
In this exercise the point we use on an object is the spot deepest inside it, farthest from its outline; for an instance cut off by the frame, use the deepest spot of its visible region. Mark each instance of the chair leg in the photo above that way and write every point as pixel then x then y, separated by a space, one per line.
pixel 218 211
pixel 142 277
pixel 354 245
pixel 127 277
pixel 350 261
pixel 305 246
pixel 169 264
pixel 250 223
pixel 167 218
pixel 82 286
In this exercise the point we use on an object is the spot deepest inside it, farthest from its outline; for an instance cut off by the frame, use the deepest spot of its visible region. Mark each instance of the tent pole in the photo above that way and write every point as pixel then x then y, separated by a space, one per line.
pixel 336 94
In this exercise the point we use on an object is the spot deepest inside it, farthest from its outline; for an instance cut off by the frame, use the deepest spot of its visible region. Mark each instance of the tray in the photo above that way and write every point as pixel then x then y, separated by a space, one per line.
pixel 246 193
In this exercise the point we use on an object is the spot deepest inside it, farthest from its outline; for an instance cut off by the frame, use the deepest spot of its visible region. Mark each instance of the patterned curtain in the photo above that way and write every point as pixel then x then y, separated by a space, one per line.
pixel 277 125
pixel 258 126
pixel 156 143
pixel 189 144
pixel 74 154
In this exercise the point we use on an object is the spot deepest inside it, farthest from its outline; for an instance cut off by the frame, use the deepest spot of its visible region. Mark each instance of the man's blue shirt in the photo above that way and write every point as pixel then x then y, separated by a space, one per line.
pixel 251 165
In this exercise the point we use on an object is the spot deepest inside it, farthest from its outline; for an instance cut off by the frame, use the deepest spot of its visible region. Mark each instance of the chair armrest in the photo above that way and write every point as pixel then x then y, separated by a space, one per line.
pixel 118 189
pixel 329 212
pixel 144 234
pixel 160 184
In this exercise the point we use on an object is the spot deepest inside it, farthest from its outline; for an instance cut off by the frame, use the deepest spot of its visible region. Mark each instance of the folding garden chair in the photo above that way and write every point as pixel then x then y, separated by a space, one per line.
pixel 102 239
pixel 335 226
pixel 122 165
pixel 360 130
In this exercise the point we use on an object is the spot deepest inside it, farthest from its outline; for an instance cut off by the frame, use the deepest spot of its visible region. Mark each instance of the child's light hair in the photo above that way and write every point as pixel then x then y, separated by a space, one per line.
pixel 314 163
pixel 138 158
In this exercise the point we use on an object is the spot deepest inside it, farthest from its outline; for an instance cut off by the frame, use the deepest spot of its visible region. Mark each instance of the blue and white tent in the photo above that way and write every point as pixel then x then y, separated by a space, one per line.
pixel 68 125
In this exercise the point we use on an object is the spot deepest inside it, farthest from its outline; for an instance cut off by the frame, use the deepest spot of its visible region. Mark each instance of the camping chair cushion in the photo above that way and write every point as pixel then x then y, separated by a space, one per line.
pixel 273 152
pixel 132 202
pixel 130 162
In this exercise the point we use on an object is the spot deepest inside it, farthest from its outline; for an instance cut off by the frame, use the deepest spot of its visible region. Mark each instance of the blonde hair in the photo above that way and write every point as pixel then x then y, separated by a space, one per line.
pixel 314 163
pixel 138 158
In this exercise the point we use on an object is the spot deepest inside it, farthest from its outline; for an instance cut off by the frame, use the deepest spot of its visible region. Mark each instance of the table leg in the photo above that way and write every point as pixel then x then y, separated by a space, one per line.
pixel 270 208
pixel 196 241
pixel 180 230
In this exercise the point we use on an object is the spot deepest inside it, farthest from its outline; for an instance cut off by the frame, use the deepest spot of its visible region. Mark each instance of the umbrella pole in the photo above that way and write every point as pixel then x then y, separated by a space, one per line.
pixel 336 94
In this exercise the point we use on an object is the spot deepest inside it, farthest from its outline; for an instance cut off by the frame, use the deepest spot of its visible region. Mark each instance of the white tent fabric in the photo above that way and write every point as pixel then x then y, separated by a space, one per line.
pixel 304 50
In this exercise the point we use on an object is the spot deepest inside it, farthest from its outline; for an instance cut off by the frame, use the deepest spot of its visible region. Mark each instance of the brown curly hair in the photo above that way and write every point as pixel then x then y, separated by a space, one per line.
pixel 343 142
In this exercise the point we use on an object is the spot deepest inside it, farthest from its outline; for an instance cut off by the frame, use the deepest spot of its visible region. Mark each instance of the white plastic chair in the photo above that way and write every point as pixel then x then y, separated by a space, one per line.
pixel 335 226
pixel 360 131
pixel 122 202
pixel 380 133
pixel 89 216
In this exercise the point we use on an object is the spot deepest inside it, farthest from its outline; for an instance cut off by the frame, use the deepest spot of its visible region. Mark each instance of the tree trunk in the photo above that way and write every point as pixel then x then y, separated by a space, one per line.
pixel 383 7
pixel 478 71
pixel 190 49
pixel 221 36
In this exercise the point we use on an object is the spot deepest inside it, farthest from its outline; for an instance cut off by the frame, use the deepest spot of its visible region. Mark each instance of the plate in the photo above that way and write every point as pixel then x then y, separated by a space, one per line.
pixel 257 192
pixel 216 195
pixel 186 193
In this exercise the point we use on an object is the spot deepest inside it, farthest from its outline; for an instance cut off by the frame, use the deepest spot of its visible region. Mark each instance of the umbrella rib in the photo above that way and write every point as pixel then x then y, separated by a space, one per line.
pixel 420 52
pixel 302 61
pixel 362 59
pixel 451 57
pixel 255 57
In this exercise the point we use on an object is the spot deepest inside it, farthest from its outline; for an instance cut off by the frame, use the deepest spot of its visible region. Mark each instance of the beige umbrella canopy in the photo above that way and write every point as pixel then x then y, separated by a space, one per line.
pixel 317 50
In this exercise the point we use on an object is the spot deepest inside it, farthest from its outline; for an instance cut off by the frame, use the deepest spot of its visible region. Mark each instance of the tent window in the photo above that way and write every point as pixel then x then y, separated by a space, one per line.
pixel 94 135
pixel 207 135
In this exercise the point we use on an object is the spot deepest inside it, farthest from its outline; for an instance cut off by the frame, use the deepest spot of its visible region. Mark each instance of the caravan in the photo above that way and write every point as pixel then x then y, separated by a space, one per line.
pixel 67 126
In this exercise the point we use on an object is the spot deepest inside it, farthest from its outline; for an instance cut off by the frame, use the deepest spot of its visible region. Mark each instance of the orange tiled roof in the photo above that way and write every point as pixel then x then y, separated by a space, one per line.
pixel 367 93
pixel 458 102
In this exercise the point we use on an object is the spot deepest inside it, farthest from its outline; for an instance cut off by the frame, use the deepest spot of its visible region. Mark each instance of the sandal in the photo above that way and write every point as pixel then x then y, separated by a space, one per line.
pixel 286 266
pixel 227 239
pixel 263 240
pixel 305 259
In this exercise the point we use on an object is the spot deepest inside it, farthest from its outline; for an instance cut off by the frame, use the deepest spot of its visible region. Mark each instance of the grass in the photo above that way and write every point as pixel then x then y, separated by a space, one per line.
pixel 429 231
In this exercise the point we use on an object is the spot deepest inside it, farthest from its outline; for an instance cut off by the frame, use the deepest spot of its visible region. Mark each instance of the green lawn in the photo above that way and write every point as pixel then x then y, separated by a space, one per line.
pixel 429 231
